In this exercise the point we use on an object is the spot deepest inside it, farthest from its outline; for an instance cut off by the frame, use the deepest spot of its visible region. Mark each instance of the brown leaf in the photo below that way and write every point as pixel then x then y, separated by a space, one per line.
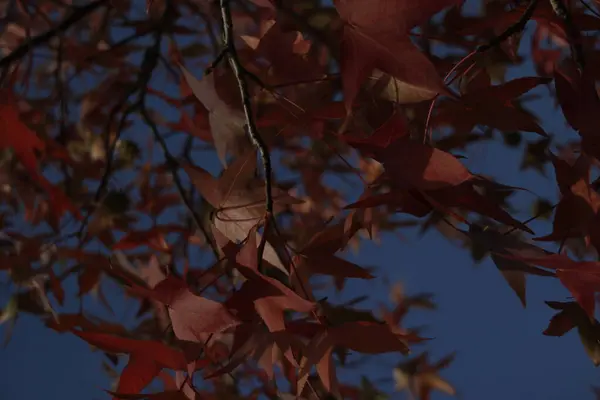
pixel 226 123
pixel 239 201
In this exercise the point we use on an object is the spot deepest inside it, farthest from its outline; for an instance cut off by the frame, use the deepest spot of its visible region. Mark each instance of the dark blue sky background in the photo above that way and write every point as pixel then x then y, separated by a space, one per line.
pixel 501 353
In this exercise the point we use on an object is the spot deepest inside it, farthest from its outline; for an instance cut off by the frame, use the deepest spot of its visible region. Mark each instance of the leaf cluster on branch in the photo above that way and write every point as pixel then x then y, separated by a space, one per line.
pixel 138 140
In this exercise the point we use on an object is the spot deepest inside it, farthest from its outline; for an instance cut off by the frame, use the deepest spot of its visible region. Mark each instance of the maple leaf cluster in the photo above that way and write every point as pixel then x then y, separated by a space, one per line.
pixel 139 139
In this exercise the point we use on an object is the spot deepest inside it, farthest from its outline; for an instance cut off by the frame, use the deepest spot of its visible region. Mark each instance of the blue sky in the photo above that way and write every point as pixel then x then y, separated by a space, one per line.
pixel 501 352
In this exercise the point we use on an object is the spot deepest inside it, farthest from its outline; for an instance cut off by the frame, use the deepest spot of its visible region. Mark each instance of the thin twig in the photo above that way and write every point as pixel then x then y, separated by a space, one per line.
pixel 173 166
pixel 215 62
pixel 589 8
pixel 149 63
pixel 207 23
pixel 536 216
pixel 511 30
pixel 515 28
pixel 77 15
pixel 255 137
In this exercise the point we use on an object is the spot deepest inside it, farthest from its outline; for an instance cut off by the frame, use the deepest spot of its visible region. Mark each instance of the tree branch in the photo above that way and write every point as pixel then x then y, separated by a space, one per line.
pixel 78 14
pixel 255 137
pixel 173 166
pixel 149 63
pixel 517 27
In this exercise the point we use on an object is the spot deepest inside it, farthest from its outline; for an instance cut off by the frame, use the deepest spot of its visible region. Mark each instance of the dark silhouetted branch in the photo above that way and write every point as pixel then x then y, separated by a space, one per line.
pixel 77 15
pixel 511 30
pixel 257 140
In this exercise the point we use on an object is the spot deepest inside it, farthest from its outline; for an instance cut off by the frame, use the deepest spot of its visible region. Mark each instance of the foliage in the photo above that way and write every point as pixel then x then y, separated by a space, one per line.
pixel 136 140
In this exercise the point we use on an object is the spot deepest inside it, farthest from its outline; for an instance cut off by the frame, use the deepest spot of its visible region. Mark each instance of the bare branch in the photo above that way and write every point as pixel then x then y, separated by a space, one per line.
pixel 78 14
pixel 173 166
pixel 511 30
pixel 149 63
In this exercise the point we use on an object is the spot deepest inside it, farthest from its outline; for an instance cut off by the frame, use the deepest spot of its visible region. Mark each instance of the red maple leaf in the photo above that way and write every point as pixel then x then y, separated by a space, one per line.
pixel 146 359
pixel 14 134
pixel 576 93
pixel 494 106
pixel 581 278
pixel 265 295
pixel 238 197
pixel 577 212
pixel 375 36
pixel 193 317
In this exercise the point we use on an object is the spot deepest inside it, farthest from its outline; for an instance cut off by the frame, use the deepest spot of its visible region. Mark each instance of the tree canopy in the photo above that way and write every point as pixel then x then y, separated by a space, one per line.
pixel 211 162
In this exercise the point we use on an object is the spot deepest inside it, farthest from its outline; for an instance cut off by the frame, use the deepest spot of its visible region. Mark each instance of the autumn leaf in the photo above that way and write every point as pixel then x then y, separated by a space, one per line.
pixel 15 135
pixel 571 315
pixel 397 200
pixel 420 377
pixel 266 295
pixel 577 211
pixel 513 270
pixel 319 354
pixel 192 316
pixel 361 336
pixel 362 52
pixel 581 278
pixel 353 335
pixel 154 238
pixel 402 15
pixel 318 257
pixel 494 106
pixel 380 116
pixel 373 39
pixel 394 128
pixel 579 102
pixel 146 359
pixel 411 164
pixel 89 279
pixel 226 123
pixel 197 125
pixel 238 198
pixel 467 197
pixel 288 53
